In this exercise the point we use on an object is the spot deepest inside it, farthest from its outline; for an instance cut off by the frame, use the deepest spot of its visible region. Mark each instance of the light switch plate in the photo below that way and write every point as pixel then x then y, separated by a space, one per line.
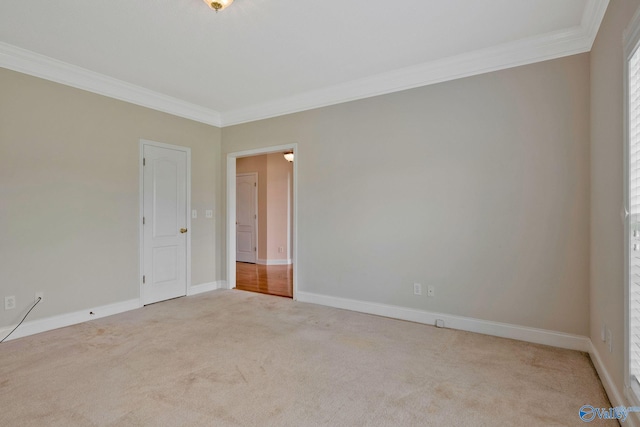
pixel 194 214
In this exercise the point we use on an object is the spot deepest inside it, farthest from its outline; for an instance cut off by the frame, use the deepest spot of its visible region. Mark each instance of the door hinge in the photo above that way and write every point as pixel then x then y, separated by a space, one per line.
pixel 255 216
pixel 255 184
pixel 144 161
pixel 254 249
pixel 142 220
pixel 144 279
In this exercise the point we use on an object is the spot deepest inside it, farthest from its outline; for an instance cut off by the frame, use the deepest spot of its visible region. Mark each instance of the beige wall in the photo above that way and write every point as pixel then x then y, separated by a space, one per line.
pixel 478 186
pixel 502 190
pixel 69 195
pixel 279 177
pixel 274 183
pixel 607 230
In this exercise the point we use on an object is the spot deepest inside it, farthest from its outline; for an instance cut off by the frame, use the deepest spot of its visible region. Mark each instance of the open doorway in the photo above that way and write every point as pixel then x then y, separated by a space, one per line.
pixel 263 224
pixel 262 219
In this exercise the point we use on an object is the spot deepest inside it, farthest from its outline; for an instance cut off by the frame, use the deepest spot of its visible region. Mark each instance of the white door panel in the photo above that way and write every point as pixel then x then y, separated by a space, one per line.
pixel 244 241
pixel 246 217
pixel 166 203
pixel 165 224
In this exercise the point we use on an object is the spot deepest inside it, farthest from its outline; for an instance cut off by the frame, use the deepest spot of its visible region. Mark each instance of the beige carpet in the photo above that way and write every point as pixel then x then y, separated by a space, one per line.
pixel 234 358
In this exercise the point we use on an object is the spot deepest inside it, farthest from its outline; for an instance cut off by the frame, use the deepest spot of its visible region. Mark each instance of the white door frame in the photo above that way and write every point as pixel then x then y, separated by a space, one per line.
pixel 257 213
pixel 631 43
pixel 231 209
pixel 186 150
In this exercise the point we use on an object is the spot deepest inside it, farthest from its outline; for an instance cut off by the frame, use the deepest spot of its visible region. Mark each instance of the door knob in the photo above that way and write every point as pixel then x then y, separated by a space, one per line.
pixel 183 230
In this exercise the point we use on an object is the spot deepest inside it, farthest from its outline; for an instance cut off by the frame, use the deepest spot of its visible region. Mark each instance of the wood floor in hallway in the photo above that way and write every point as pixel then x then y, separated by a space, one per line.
pixel 266 279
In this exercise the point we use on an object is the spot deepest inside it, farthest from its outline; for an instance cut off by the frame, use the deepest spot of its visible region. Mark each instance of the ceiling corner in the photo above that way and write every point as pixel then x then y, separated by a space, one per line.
pixel 44 67
pixel 592 18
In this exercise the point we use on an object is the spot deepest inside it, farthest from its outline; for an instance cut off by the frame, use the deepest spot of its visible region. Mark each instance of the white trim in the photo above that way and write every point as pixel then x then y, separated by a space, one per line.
pixel 231 208
pixel 632 400
pixel 231 223
pixel 68 319
pixel 206 287
pixel 140 217
pixel 631 35
pixel 289 216
pixel 592 17
pixel 274 261
pixel 625 223
pixel 187 150
pixel 62 320
pixel 35 64
pixel 612 391
pixel 631 40
pixel 553 45
pixel 504 330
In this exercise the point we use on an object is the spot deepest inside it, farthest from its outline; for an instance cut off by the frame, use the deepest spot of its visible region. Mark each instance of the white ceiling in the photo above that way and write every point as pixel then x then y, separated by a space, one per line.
pixel 262 58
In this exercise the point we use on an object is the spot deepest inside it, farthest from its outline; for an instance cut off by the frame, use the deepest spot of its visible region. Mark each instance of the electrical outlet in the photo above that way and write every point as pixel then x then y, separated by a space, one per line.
pixel 39 295
pixel 417 289
pixel 431 291
pixel 9 303
pixel 209 213
pixel 439 323
pixel 280 249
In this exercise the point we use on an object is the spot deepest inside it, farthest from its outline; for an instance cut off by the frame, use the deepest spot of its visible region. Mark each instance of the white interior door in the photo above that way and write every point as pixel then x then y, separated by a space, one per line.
pixel 165 224
pixel 246 217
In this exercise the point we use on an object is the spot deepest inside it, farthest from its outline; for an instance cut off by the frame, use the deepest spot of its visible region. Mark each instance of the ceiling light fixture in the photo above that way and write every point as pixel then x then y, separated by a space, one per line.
pixel 289 156
pixel 218 4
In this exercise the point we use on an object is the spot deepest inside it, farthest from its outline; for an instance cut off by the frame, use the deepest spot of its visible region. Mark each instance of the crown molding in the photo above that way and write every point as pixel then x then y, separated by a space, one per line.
pixel 553 45
pixel 34 64
pixel 592 18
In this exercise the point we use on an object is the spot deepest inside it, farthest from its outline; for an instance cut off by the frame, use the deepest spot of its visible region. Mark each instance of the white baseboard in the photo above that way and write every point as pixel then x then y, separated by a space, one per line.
pixel 634 417
pixel 67 319
pixel 504 330
pixel 274 261
pixel 62 320
pixel 206 287
pixel 615 396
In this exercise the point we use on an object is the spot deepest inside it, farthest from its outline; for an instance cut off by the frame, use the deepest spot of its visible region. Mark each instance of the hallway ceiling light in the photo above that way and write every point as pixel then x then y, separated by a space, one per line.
pixel 218 4
pixel 289 156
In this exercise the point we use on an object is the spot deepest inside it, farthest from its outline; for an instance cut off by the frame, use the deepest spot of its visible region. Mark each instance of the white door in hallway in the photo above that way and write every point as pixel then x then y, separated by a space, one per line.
pixel 164 223
pixel 246 217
